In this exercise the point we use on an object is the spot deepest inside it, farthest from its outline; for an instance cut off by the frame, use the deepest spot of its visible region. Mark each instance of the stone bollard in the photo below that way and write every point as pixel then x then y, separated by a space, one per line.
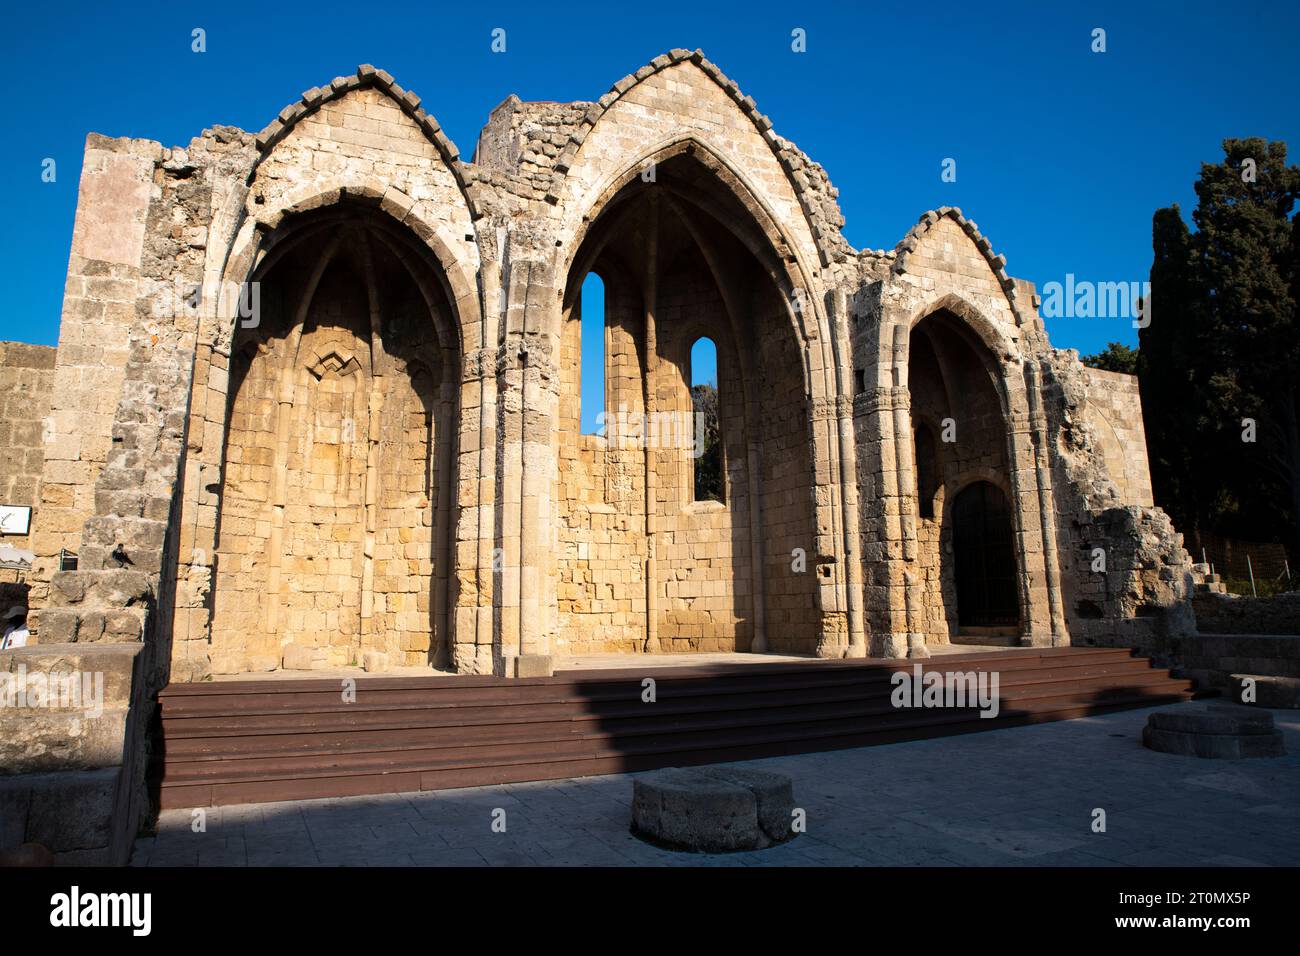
pixel 713 809
pixel 1225 731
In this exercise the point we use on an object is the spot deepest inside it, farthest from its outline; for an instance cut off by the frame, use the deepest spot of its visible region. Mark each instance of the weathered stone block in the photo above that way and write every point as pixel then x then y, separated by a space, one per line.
pixel 69 812
pixel 1216 719
pixel 1270 691
pixel 534 665
pixel 1222 746
pixel 1224 731
pixel 713 809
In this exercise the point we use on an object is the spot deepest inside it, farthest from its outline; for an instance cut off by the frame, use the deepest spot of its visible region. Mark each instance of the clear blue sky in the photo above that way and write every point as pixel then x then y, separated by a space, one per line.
pixel 1062 154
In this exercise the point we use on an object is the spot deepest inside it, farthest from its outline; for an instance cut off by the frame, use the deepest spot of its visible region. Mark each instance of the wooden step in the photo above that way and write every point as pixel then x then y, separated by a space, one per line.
pixel 508 742
pixel 231 739
pixel 235 719
pixel 548 768
pixel 289 739
pixel 283 697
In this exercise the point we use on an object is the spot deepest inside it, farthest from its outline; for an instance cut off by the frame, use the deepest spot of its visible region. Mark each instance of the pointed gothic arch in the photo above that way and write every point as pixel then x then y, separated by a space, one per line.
pixel 338 459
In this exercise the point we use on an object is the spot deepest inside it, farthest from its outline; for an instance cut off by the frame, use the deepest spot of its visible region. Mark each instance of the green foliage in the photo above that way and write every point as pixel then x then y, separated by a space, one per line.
pixel 708 466
pixel 1264 587
pixel 1117 357
pixel 1223 345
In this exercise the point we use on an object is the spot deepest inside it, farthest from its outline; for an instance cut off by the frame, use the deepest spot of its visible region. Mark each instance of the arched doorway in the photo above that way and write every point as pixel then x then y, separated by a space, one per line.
pixel 985 560
pixel 333 529
pixel 965 528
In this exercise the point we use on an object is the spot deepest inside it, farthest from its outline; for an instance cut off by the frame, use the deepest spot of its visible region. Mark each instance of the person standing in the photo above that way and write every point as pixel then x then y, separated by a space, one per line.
pixel 14 624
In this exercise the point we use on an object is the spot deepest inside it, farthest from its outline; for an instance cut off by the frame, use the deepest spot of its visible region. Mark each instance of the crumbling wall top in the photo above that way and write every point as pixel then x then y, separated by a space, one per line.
pixel 368 76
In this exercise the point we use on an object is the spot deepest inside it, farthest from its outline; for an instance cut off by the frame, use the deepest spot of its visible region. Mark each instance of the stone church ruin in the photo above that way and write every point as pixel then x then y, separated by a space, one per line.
pixel 316 405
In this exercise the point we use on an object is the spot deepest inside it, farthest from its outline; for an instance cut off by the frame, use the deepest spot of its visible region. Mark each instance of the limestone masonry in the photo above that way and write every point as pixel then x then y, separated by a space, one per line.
pixel 316 404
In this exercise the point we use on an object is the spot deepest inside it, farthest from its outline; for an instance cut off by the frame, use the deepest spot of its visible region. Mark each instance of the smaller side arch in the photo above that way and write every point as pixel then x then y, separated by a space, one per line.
pixel 993 338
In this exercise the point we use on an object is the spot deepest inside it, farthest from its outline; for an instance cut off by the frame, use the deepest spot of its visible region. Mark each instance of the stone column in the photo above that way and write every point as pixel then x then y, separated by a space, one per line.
pixel 288 397
pixel 373 405
pixel 444 486
pixel 651 457
pixel 851 580
pixel 529 411
pixel 1034 619
pixel 905 478
pixel 754 449
pixel 832 605
pixel 1046 505
pixel 507 557
pixel 541 408
pixel 882 541
pixel 474 635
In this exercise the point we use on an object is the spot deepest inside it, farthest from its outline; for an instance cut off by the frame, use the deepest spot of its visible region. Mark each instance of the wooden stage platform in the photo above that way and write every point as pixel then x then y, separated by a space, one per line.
pixel 245 741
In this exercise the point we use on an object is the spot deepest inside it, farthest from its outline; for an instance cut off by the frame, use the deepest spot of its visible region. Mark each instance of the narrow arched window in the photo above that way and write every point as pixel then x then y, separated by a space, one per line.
pixel 706 446
pixel 591 394
pixel 926 466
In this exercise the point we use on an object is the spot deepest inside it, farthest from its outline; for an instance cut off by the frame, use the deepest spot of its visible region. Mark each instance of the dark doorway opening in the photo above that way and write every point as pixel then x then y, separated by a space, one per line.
pixel 984 549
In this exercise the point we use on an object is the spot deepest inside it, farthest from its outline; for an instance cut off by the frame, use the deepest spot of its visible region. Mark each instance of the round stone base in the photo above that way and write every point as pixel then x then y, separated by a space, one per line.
pixel 713 809
pixel 1223 731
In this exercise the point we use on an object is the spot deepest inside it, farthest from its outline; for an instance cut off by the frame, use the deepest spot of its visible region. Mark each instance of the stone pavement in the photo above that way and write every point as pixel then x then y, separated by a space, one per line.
pixel 1020 796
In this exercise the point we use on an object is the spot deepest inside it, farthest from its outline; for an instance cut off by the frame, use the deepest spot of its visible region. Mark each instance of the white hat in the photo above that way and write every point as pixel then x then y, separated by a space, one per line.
pixel 16 611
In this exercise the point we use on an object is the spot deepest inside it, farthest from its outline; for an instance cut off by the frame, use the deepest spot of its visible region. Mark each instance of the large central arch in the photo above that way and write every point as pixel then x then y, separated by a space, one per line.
pixel 684 253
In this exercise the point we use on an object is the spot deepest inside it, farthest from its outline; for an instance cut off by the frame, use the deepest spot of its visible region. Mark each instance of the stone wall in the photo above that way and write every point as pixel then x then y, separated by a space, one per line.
pixel 116 612
pixel 1127 579
pixel 333 477
pixel 703 549
pixel 601 491
pixel 680 104
pixel 73 765
pixel 26 381
pixel 365 143
pixel 99 316
pixel 1261 669
pixel 1114 413
pixel 1237 614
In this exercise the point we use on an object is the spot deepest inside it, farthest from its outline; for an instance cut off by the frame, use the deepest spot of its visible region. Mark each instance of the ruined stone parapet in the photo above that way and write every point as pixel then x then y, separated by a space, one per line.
pixel 1221 613
pixel 1129 580
pixel 75 760
pixel 99 312
pixel 816 196
pixel 366 76
pixel 522 142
